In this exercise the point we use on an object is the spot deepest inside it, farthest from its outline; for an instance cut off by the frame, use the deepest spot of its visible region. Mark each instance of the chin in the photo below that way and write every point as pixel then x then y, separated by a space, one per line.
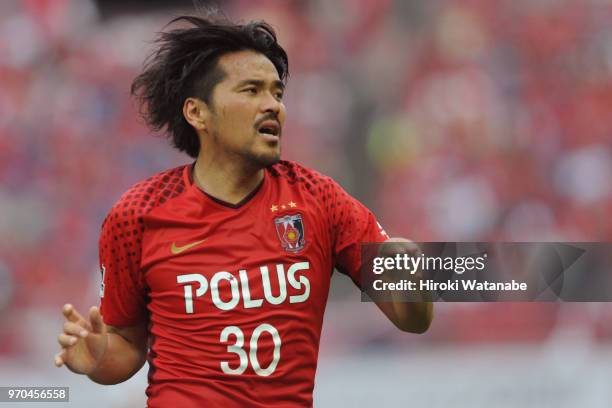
pixel 269 161
pixel 265 160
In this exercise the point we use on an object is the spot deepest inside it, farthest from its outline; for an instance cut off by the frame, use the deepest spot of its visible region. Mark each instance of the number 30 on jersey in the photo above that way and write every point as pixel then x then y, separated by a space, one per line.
pixel 238 349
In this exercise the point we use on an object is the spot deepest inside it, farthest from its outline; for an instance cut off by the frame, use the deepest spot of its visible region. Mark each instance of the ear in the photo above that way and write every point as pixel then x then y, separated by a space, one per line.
pixel 196 113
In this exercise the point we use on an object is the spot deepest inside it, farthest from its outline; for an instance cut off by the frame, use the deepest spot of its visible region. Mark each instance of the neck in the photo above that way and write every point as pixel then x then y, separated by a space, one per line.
pixel 228 180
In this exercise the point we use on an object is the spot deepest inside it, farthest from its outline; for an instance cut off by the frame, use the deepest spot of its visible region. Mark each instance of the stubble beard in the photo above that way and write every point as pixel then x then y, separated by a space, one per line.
pixel 261 161
pixel 251 159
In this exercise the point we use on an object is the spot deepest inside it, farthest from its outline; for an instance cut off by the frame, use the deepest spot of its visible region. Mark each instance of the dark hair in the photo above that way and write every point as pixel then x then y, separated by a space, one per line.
pixel 185 65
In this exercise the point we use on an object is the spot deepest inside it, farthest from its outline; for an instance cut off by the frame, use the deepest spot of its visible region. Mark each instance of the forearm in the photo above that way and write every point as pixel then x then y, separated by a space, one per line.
pixel 121 360
pixel 413 317
pixel 414 314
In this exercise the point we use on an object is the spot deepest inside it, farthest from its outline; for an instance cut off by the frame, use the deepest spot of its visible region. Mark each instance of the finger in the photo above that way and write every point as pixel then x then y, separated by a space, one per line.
pixel 65 340
pixel 59 358
pixel 95 318
pixel 75 329
pixel 403 246
pixel 71 313
pixel 398 239
pixel 408 246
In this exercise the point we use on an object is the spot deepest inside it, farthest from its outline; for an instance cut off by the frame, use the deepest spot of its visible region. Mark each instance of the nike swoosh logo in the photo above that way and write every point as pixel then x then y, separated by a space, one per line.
pixel 178 249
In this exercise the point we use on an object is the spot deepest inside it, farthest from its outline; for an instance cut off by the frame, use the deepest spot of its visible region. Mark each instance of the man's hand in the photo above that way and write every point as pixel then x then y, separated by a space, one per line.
pixel 83 342
pixel 413 316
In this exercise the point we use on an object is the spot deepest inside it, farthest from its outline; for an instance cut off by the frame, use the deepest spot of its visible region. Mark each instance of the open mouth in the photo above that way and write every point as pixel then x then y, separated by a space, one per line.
pixel 269 127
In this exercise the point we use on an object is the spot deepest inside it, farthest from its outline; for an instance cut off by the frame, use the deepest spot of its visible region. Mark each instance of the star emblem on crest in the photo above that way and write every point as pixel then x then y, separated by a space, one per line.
pixel 277 207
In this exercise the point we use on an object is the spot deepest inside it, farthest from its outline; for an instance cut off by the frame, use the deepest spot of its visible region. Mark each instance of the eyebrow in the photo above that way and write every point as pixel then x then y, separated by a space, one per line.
pixel 259 83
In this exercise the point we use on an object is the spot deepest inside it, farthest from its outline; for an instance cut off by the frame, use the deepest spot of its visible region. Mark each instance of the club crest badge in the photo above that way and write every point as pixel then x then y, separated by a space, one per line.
pixel 290 231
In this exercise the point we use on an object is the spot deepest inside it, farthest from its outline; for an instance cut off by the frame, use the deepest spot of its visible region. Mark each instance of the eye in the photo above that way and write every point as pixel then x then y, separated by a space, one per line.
pixel 279 95
pixel 251 90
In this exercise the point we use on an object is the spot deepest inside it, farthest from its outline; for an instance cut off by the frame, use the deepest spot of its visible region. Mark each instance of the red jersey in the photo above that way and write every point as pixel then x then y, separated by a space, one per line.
pixel 234 295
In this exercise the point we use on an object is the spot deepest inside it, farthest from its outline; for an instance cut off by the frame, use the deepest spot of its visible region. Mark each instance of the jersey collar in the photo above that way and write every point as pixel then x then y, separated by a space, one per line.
pixel 188 177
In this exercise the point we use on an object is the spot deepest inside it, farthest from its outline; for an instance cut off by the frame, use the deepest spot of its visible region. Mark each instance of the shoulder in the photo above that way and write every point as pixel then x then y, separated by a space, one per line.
pixel 295 173
pixel 146 195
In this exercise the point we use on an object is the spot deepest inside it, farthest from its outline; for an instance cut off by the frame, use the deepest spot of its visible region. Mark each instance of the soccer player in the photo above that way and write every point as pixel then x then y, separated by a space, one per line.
pixel 218 271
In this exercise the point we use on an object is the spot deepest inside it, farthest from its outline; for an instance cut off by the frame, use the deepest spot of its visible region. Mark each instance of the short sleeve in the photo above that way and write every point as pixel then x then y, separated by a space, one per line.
pixel 352 224
pixel 122 292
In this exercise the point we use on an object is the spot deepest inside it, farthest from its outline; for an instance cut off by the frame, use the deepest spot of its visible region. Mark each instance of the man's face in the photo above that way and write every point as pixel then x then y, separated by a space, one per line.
pixel 246 112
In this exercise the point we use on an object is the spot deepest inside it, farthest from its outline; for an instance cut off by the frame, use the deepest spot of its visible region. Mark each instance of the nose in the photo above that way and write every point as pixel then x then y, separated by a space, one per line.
pixel 270 104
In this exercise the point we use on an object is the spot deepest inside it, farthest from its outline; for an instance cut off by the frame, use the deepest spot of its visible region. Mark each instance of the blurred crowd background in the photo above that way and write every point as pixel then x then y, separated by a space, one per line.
pixel 453 120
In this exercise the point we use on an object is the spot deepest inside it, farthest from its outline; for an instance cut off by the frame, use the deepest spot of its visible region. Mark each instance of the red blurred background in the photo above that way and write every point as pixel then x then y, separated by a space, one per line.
pixel 466 120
